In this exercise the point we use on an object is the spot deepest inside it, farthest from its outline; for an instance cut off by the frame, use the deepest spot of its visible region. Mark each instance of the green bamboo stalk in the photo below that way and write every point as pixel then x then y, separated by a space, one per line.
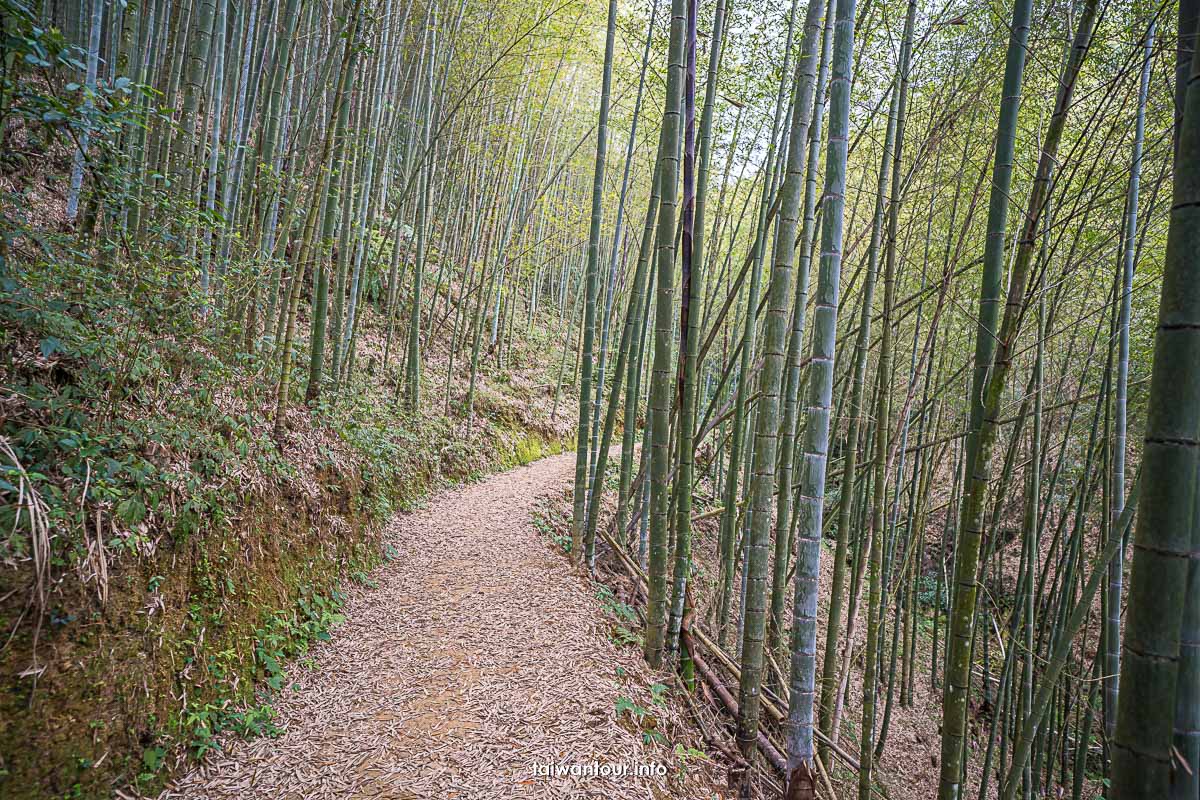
pixel 578 522
pixel 1116 577
pixel 798 161
pixel 691 287
pixel 775 335
pixel 184 169
pixel 413 361
pixel 661 368
pixel 283 390
pixel 954 700
pixel 882 465
pixel 337 180
pixel 801 777
pixel 1160 585
pixel 689 306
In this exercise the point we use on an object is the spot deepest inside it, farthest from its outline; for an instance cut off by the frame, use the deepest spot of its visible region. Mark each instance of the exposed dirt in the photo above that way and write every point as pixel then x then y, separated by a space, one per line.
pixel 478 659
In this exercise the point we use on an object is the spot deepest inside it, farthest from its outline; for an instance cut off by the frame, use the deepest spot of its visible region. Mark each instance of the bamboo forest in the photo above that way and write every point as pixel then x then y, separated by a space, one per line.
pixel 630 399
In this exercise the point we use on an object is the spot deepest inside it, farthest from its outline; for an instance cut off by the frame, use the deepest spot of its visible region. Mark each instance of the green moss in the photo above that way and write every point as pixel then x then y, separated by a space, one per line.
pixel 524 447
pixel 191 642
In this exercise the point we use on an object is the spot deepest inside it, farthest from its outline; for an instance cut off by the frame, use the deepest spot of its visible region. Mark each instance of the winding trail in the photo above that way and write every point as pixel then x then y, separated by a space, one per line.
pixel 477 656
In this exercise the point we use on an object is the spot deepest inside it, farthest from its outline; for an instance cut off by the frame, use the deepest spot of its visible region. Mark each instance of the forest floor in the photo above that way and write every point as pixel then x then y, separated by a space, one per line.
pixel 909 767
pixel 472 663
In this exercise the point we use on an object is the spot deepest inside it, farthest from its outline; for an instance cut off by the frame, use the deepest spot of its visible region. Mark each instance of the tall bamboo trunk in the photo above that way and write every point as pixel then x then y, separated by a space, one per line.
pixel 801 777
pixel 578 520
pixel 661 368
pixel 1116 575
pixel 1162 583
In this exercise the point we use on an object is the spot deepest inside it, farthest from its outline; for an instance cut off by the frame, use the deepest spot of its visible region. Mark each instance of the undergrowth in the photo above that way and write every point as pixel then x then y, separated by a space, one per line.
pixel 163 556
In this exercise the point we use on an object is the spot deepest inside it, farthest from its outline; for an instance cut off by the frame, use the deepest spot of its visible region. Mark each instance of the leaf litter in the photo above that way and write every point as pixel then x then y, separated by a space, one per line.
pixel 479 663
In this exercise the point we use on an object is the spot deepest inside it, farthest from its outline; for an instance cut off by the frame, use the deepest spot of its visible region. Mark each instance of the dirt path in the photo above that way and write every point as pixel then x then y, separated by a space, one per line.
pixel 476 658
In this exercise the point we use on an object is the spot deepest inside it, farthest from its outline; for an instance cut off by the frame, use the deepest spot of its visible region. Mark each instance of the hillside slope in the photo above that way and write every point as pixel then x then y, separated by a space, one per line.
pixel 185 555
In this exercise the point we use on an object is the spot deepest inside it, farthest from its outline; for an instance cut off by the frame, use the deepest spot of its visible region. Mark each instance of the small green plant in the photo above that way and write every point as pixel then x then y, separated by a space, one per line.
pixel 625 629
pixel 362 579
pixel 929 594
pixel 642 717
pixel 626 705
pixel 686 756
pixel 613 606
pixel 623 636
pixel 152 760
pixel 254 722
pixel 201 722
pixel 288 634
pixel 545 525
pixel 204 722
